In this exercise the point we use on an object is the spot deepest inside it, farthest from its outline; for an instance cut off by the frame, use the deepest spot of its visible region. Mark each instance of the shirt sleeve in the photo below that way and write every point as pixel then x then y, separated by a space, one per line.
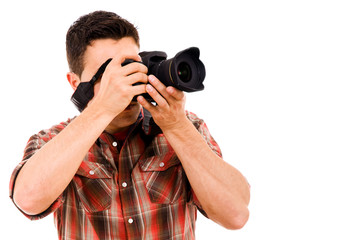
pixel 33 145
pixel 201 126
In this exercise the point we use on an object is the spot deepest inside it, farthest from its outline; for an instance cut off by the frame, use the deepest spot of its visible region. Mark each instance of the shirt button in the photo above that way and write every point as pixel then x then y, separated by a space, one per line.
pixel 124 184
pixel 130 220
pixel 162 164
pixel 114 144
pixel 91 172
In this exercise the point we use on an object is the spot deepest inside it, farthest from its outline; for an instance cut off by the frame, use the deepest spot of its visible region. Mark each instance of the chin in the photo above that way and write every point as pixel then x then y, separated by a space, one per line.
pixel 127 117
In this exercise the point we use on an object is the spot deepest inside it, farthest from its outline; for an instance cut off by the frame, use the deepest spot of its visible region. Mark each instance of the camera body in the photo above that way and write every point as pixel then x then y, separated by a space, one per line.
pixel 184 71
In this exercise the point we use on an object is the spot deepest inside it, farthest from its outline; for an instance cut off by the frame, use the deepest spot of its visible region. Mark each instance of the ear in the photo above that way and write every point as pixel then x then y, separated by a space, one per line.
pixel 73 79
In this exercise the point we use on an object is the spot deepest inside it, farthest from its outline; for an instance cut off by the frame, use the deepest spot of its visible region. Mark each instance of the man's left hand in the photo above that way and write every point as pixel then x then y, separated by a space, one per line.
pixel 169 112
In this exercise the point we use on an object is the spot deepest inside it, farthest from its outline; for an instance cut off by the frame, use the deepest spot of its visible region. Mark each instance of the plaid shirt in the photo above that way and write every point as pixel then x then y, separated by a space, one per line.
pixel 136 191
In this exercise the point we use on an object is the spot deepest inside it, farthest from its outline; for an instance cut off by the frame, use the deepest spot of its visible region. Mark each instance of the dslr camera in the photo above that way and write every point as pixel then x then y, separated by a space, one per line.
pixel 184 71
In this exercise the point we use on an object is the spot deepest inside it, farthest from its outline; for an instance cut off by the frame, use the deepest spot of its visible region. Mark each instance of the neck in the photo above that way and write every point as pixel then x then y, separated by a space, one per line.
pixel 113 129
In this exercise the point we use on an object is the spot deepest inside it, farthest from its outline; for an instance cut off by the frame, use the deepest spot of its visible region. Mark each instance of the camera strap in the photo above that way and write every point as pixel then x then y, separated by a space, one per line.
pixel 149 126
pixel 85 90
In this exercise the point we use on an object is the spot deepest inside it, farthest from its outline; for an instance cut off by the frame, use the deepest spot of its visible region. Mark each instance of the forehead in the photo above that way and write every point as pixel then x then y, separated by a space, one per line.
pixel 102 49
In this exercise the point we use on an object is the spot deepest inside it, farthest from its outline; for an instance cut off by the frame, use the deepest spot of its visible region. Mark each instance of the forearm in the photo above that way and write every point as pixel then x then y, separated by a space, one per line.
pixel 48 172
pixel 221 189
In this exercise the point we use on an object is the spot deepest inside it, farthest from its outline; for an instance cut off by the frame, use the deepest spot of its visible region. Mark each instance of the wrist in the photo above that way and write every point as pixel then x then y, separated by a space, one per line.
pixel 97 108
pixel 179 128
pixel 98 113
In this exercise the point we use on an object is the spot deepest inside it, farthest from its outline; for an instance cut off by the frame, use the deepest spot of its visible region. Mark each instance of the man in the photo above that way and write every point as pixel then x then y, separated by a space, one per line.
pixel 102 175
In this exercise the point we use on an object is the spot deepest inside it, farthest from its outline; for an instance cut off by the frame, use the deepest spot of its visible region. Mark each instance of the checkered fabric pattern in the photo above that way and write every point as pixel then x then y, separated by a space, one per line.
pixel 136 191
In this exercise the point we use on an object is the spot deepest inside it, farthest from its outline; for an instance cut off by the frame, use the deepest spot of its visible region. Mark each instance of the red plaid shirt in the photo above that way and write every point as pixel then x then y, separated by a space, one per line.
pixel 136 191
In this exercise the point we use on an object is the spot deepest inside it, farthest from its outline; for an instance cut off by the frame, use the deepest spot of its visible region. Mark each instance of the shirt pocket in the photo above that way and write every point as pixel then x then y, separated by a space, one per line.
pixel 94 186
pixel 164 178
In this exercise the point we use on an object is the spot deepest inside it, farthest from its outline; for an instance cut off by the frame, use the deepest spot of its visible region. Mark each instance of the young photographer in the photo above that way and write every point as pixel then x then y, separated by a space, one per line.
pixel 102 175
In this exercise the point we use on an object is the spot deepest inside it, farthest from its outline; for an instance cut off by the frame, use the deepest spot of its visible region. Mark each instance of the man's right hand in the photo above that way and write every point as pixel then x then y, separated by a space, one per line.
pixel 116 89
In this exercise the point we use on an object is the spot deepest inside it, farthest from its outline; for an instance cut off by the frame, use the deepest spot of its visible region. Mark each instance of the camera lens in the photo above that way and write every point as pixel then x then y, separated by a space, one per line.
pixel 184 72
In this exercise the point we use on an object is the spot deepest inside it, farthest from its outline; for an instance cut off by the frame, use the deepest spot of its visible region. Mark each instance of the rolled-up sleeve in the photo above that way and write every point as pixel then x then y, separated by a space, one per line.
pixel 202 128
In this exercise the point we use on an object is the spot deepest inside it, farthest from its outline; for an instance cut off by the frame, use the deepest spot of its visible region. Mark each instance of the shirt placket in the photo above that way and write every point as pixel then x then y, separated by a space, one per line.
pixel 130 204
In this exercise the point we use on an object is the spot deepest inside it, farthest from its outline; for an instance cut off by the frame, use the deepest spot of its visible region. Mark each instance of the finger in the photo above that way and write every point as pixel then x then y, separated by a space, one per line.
pixel 159 86
pixel 175 93
pixel 145 104
pixel 158 98
pixel 120 58
pixel 137 78
pixel 134 68
pixel 115 65
pixel 138 89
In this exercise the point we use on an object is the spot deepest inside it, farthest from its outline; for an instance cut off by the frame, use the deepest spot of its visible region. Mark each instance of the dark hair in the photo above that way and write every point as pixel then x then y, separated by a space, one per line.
pixel 94 26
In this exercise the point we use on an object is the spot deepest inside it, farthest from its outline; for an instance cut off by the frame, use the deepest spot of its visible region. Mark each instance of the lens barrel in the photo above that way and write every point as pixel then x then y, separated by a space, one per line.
pixel 184 71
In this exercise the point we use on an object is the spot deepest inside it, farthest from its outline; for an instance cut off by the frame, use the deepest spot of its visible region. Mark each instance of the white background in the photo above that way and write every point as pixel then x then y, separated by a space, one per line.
pixel 282 100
